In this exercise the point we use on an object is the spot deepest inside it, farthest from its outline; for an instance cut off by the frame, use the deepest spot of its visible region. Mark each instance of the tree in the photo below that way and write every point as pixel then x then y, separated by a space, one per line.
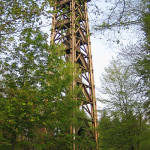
pixel 120 86
pixel 21 14
pixel 29 103
pixel 137 56
pixel 124 101
pixel 143 63
pixel 122 132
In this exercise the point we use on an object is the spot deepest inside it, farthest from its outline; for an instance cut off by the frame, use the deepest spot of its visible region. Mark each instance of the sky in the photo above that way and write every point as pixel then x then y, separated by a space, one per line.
pixel 101 55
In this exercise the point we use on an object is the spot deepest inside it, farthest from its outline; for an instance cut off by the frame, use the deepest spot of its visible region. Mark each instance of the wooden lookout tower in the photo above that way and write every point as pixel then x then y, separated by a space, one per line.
pixel 70 27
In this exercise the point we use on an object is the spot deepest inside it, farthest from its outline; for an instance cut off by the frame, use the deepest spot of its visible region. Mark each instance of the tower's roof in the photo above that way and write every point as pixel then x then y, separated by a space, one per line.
pixel 80 0
pixel 85 0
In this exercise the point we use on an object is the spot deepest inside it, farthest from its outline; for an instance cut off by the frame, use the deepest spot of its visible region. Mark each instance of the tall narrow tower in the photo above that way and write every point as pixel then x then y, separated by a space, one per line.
pixel 70 27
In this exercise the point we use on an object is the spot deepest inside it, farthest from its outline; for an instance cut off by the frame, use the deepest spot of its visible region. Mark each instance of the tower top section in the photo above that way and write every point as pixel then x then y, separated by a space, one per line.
pixel 66 1
pixel 71 0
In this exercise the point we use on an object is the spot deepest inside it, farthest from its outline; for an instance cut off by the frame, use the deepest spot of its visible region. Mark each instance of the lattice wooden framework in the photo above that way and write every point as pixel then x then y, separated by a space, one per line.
pixel 70 27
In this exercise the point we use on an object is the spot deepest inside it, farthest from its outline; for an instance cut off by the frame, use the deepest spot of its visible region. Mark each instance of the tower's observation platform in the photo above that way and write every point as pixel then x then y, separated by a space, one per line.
pixel 70 28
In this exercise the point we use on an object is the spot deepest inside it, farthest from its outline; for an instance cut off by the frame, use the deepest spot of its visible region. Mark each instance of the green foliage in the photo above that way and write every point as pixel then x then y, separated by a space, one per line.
pixel 17 15
pixel 32 85
pixel 122 132
pixel 143 63
pixel 120 87
pixel 123 126
pixel 145 144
